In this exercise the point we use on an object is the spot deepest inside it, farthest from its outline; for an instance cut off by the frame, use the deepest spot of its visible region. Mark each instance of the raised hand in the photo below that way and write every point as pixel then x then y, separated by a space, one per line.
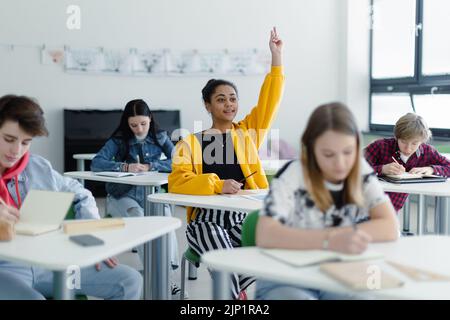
pixel 276 46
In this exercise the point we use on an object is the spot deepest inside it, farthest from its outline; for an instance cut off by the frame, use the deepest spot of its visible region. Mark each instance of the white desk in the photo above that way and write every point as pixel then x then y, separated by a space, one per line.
pixel 160 270
pixel 438 189
pixel 81 157
pixel 220 202
pixel 429 253
pixel 54 251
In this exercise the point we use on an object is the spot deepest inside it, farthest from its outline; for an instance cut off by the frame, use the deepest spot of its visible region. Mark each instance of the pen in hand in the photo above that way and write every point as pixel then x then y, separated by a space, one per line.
pixel 245 178
pixel 16 214
pixel 138 159
pixel 396 161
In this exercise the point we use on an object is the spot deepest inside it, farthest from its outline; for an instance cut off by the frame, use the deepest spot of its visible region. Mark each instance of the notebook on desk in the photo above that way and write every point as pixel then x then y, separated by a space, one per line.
pixel 254 194
pixel 304 258
pixel 411 178
pixel 115 174
pixel 43 211
pixel 361 276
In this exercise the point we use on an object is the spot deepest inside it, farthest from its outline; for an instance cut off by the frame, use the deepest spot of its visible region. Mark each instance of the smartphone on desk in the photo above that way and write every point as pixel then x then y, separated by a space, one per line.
pixel 86 240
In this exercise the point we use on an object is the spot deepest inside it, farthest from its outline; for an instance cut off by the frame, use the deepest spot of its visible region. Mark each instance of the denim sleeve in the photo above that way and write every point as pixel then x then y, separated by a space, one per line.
pixel 104 159
pixel 164 165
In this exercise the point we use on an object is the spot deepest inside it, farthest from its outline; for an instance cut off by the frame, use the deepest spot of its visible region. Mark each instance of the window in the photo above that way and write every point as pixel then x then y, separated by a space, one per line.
pixel 436 46
pixel 394 39
pixel 387 108
pixel 410 63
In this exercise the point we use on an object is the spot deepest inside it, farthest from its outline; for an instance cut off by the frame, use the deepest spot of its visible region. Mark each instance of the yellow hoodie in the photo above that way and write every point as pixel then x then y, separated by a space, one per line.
pixel 247 135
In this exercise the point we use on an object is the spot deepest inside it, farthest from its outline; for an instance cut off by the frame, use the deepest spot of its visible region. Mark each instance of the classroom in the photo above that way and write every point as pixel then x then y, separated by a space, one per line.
pixel 207 150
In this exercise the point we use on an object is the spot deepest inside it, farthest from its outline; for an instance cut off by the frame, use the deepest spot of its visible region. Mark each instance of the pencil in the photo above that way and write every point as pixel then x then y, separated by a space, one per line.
pixel 395 161
pixel 243 180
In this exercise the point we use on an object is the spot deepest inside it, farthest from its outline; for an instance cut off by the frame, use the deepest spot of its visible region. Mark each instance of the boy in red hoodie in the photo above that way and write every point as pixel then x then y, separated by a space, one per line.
pixel 22 119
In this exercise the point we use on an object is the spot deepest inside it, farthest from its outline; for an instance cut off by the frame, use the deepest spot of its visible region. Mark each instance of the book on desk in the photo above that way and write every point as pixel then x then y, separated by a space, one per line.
pixel 352 270
pixel 407 177
pixel 304 258
pixel 120 174
pixel 43 211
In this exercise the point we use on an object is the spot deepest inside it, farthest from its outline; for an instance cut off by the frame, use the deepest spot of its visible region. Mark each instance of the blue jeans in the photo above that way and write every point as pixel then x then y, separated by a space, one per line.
pixel 268 290
pixel 119 283
pixel 128 207
pixel 14 288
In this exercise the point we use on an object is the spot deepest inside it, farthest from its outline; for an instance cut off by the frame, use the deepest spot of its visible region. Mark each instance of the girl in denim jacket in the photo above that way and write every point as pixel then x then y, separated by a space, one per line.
pixel 135 146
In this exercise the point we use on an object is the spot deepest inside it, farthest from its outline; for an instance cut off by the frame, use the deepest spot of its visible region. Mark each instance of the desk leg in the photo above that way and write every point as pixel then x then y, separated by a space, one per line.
pixel 60 289
pixel 442 211
pixel 221 285
pixel 420 214
pixel 160 265
pixel 147 249
pixel 80 167
pixel 406 216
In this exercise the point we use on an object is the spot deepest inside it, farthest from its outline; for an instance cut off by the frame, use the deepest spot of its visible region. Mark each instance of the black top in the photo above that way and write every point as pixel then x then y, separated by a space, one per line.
pixel 219 156
pixel 338 198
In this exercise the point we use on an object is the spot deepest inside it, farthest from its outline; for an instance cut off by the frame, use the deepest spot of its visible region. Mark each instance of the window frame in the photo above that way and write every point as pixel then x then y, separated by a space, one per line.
pixel 418 84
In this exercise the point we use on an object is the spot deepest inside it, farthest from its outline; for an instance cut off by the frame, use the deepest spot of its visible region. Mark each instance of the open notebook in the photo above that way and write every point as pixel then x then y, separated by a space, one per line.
pixel 407 177
pixel 115 174
pixel 43 211
pixel 303 258
pixel 253 194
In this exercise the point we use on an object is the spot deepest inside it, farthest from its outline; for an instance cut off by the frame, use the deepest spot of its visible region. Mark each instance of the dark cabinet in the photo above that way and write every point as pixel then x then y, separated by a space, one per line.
pixel 86 131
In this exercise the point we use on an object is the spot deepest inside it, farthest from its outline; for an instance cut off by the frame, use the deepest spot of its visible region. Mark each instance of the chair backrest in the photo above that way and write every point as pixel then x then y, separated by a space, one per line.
pixel 248 238
pixel 70 213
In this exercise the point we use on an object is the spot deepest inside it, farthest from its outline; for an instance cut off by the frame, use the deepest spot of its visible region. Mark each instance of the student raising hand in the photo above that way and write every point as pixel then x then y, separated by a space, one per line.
pixel 220 171
pixel 276 46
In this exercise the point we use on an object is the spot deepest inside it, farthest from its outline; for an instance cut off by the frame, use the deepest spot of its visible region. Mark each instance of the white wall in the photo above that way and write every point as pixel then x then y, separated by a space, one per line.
pixel 355 67
pixel 314 32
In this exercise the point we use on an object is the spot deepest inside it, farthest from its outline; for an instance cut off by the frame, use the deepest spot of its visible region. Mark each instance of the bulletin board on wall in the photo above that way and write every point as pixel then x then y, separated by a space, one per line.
pixel 159 62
